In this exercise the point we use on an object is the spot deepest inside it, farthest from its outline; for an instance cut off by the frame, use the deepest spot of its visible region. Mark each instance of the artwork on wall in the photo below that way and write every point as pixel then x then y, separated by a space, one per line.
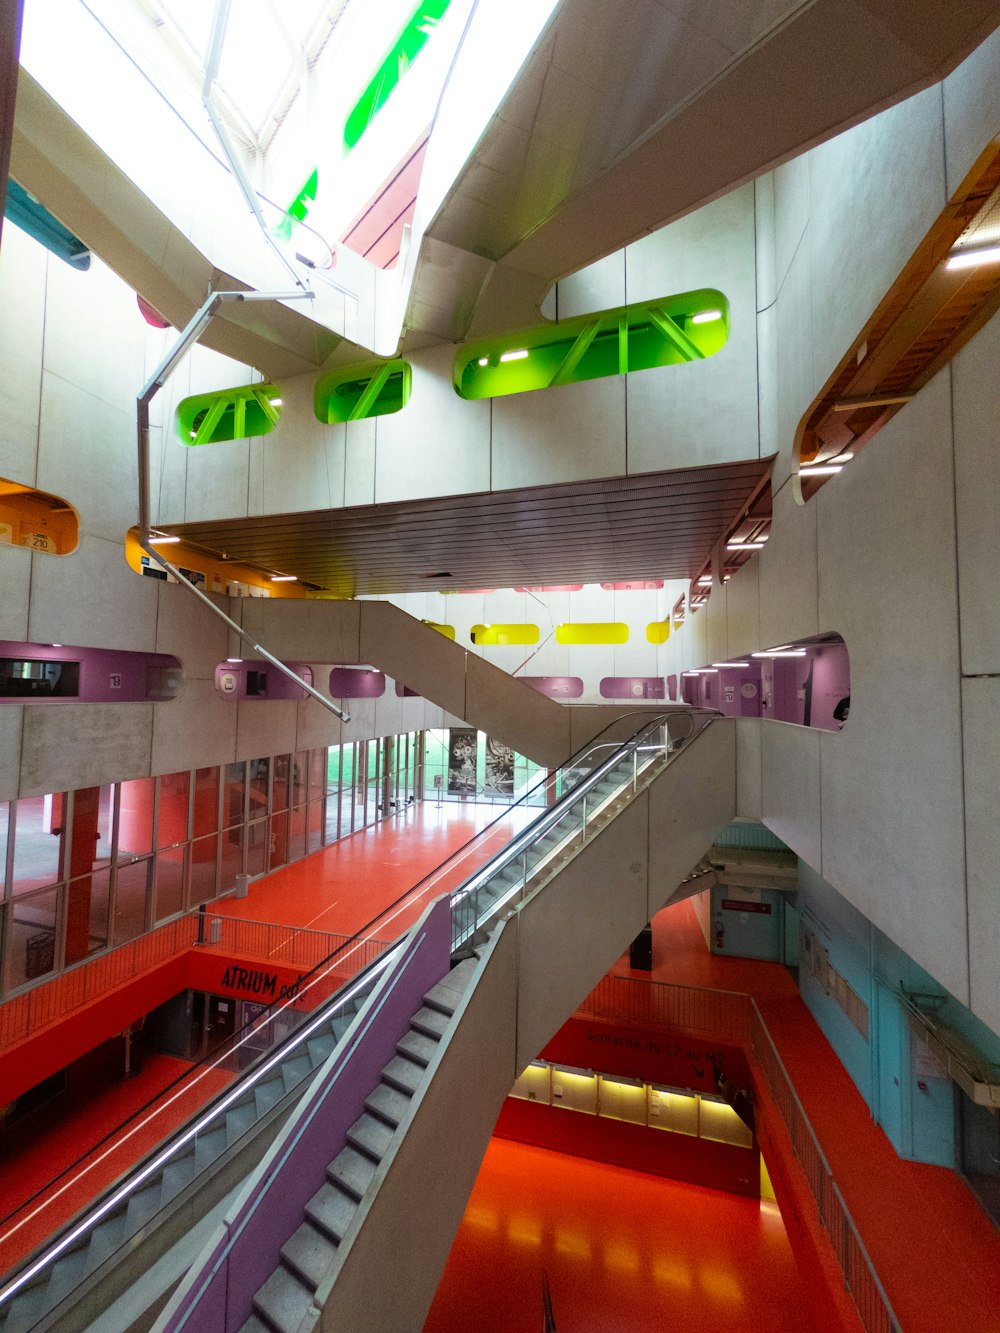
pixel 462 761
pixel 499 768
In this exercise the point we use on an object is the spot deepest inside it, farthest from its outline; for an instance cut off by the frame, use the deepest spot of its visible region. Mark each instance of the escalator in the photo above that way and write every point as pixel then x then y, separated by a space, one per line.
pixel 615 833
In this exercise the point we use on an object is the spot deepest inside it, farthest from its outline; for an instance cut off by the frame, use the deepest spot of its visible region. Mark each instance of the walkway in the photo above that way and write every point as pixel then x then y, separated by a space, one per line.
pixel 934 1248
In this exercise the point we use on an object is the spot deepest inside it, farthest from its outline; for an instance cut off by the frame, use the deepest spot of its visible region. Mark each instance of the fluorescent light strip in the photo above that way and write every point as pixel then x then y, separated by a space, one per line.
pixel 782 652
pixel 828 470
pixel 744 546
pixel 284 578
pixel 724 665
pixel 132 1184
pixel 519 355
pixel 706 316
pixel 163 541
pixel 990 254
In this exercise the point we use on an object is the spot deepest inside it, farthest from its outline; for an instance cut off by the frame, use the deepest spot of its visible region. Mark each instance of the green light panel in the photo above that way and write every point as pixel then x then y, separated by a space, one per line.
pixel 672 331
pixel 229 414
pixel 372 390
pixel 405 50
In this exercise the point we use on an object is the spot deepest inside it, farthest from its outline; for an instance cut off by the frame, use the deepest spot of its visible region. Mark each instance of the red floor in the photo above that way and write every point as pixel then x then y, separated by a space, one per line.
pixel 345 886
pixel 623 1251
pixel 42 1145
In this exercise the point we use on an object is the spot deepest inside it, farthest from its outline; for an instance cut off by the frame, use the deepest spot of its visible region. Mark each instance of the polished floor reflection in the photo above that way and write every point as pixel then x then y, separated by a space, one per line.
pixel 623 1251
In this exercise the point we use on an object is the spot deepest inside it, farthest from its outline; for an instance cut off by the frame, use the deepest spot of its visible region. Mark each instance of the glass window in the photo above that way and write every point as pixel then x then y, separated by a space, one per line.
pixel 131 891
pixel 135 818
pixel 279 787
pixel 297 833
pixel 316 827
pixel 172 813
pixel 170 881
pixel 234 796
pixel 38 828
pixel 4 821
pixel 301 763
pixel 204 854
pixel 257 848
pixel 206 800
pixel 31 937
pixel 260 770
pixel 232 859
pixel 278 853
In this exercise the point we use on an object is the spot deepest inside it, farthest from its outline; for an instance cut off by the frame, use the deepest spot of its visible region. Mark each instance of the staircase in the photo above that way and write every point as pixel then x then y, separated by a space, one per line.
pixel 286 1298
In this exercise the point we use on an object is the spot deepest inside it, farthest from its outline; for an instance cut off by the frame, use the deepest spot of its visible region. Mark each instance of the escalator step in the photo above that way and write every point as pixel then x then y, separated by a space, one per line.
pixel 308 1253
pixel 283 1301
pixel 319 1049
pixel 295 1070
pixel 331 1210
pixel 239 1120
pixel 208 1146
pixel 110 1235
pixel 266 1094
pixel 371 1136
pixel 144 1204
pixel 178 1174
pixel 352 1171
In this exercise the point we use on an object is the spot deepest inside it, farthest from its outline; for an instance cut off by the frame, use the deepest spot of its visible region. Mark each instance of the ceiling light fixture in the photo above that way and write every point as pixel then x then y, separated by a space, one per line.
pixel 989 254
pixel 744 546
pixel 284 578
pixel 730 664
pixel 276 402
pixel 706 316
pixel 705 582
pixel 163 541
pixel 827 470
pixel 483 361
pixel 781 652
pixel 517 355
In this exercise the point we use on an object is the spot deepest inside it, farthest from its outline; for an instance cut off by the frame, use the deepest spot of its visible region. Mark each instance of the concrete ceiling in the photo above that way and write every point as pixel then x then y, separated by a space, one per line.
pixel 659 525
pixel 627 114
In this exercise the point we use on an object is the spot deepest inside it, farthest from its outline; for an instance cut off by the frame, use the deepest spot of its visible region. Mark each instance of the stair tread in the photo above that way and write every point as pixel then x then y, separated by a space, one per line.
pixel 371 1136
pixel 309 1253
pixel 403 1073
pixel 388 1103
pixel 331 1210
pixel 283 1301
pixel 418 1046
pixel 353 1170
pixel 448 992
pixel 431 1021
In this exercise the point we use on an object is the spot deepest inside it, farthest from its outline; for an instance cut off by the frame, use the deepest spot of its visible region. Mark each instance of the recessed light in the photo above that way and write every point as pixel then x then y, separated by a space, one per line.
pixel 483 361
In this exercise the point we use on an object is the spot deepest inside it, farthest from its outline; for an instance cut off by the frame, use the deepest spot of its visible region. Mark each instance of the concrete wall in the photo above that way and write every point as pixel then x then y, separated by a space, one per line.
pixel 897 554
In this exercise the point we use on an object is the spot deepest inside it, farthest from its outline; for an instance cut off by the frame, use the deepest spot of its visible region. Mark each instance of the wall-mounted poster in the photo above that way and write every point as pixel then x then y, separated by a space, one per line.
pixel 499 768
pixel 462 761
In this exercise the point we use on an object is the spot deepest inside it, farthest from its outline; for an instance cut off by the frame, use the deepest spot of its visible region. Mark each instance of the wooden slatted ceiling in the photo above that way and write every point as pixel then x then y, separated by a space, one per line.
pixel 660 525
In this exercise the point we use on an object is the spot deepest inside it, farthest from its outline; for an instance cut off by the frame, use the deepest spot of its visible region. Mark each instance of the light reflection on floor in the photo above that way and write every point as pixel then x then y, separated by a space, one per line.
pixel 623 1251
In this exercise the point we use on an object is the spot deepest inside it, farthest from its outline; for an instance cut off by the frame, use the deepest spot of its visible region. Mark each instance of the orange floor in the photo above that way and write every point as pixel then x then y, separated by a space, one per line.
pixel 623 1251
pixel 934 1248
pixel 37 1150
